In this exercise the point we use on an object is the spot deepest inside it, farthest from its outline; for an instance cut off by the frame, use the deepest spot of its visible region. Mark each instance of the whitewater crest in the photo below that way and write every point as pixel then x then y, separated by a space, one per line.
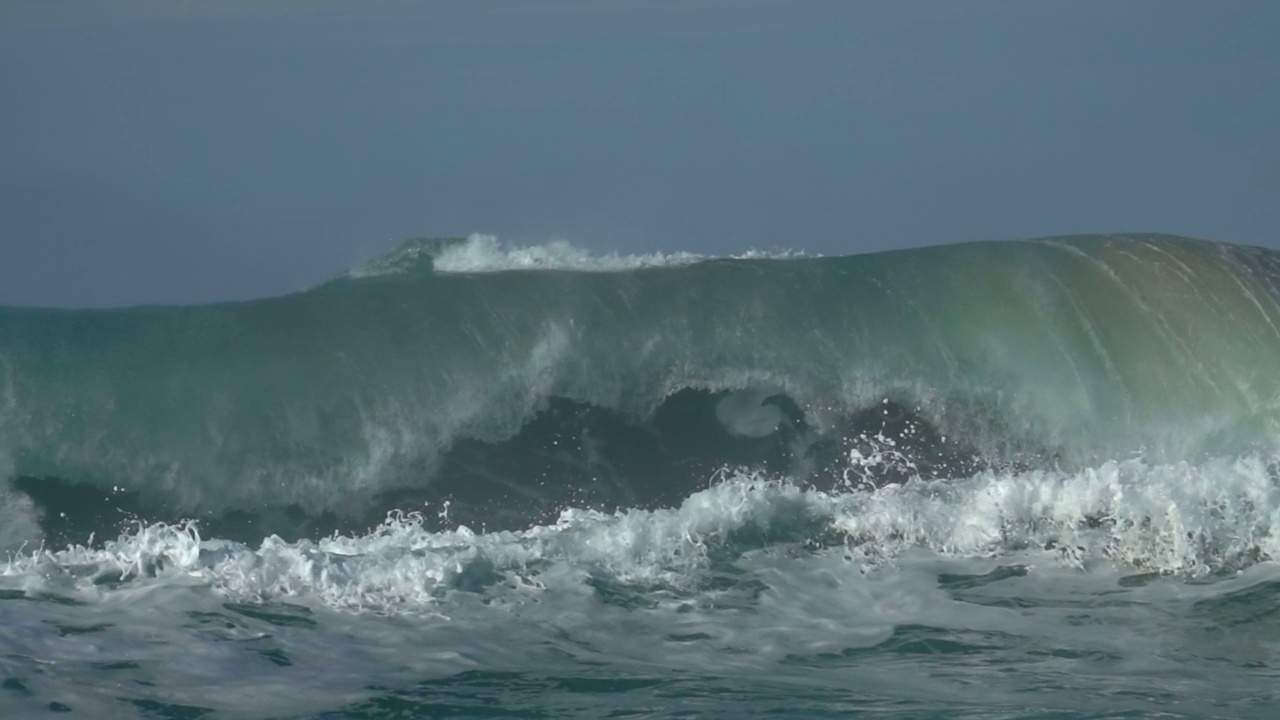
pixel 1182 519
pixel 478 253
pixel 485 253
pixel 624 383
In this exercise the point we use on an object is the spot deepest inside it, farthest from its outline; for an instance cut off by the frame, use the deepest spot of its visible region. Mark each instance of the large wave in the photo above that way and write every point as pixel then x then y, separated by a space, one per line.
pixel 512 383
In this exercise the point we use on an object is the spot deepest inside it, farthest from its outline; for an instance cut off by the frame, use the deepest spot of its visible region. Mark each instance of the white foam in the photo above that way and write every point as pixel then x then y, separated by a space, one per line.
pixel 1183 519
pixel 723 586
pixel 1176 518
pixel 486 253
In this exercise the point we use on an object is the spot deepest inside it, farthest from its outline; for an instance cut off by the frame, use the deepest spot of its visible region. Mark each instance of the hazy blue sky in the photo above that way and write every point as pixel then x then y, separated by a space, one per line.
pixel 188 151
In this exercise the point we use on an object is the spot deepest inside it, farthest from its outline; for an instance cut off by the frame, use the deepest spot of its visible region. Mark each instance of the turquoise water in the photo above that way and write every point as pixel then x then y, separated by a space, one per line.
pixel 1032 479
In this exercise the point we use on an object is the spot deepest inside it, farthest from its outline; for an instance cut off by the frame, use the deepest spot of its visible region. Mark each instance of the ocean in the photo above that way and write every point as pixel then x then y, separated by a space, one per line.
pixel 1028 479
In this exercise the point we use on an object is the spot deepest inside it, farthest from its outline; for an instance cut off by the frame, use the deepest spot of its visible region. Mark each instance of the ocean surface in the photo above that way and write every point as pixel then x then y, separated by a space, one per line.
pixel 1031 479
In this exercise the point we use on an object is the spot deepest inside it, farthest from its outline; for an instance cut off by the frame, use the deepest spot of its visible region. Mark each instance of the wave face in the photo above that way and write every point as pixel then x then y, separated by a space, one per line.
pixel 502 386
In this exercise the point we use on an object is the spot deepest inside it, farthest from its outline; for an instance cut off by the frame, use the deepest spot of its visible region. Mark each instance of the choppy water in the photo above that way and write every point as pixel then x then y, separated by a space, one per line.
pixel 1028 479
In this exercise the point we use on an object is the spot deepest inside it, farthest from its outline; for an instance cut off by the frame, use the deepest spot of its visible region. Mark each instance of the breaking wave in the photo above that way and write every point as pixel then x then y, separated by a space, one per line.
pixel 513 384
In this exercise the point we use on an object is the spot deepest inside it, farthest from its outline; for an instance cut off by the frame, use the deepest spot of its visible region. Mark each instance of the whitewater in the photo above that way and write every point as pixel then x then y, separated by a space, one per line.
pixel 1030 479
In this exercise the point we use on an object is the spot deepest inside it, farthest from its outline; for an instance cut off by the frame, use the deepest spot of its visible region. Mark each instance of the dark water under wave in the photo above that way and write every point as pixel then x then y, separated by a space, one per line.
pixel 1028 479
